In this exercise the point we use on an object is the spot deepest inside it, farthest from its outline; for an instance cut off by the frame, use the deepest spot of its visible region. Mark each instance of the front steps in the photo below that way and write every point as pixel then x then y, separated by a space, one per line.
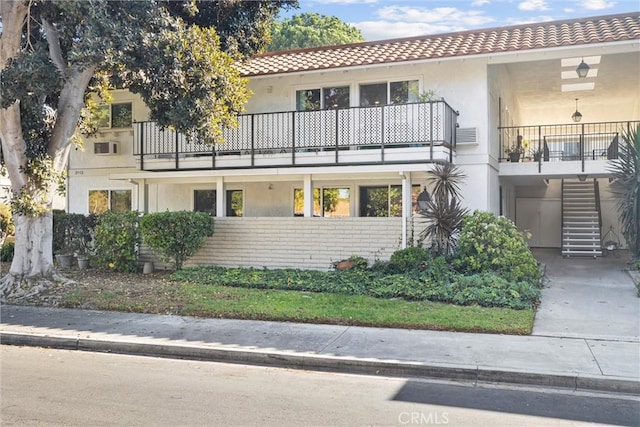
pixel 580 219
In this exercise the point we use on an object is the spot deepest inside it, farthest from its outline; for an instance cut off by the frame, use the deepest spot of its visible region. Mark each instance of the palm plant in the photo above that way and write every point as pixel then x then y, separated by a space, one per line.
pixel 444 212
pixel 626 187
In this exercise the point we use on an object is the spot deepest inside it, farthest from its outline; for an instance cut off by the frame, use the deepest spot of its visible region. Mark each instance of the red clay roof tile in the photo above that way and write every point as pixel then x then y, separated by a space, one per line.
pixel 573 32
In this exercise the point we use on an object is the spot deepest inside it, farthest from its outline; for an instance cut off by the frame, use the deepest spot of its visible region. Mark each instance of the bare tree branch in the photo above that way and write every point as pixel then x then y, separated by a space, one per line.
pixel 55 51
pixel 69 105
pixel 14 14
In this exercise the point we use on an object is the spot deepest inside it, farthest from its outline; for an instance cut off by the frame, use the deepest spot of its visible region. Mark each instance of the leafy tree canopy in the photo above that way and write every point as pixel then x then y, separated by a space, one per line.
pixel 312 30
pixel 244 26
pixel 178 55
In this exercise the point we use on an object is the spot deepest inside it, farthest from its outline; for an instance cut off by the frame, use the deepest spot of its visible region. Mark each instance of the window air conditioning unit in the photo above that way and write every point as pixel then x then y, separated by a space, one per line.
pixel 106 148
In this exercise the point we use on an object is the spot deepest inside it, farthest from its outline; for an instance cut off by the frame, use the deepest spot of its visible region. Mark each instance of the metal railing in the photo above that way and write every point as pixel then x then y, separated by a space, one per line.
pixel 424 124
pixel 564 142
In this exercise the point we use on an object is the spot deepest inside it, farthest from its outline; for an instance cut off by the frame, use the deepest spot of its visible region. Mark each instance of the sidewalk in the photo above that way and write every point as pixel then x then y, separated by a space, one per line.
pixel 574 363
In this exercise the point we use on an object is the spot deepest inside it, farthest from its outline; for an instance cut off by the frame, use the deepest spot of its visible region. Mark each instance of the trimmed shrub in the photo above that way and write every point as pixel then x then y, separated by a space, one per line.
pixel 489 243
pixel 6 252
pixel 412 258
pixel 73 233
pixel 175 235
pixel 117 241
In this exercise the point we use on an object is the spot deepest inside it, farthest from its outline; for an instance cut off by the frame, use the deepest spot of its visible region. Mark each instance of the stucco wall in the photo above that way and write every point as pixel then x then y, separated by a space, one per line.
pixel 539 210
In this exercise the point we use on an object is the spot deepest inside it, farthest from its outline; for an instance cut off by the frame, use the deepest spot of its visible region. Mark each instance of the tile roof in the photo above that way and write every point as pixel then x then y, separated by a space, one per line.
pixel 574 32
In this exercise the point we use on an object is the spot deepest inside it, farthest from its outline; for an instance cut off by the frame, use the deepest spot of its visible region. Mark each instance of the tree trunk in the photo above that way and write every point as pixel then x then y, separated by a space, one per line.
pixel 32 267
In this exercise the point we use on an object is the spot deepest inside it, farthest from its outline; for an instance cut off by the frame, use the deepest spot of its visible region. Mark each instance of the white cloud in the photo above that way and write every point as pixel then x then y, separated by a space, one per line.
pixel 443 15
pixel 379 30
pixel 345 1
pixel 406 21
pixel 478 3
pixel 597 4
pixel 529 20
pixel 531 5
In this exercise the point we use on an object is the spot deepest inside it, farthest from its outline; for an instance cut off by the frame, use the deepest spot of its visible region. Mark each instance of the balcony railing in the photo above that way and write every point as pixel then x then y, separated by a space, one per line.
pixel 565 142
pixel 426 130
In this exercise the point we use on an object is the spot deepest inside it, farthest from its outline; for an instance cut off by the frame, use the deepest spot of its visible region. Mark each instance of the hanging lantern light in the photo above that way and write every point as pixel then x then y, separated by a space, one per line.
pixel 423 199
pixel 583 69
pixel 577 116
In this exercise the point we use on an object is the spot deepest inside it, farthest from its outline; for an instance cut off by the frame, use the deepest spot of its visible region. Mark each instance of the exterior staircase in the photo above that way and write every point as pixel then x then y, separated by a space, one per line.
pixel 581 218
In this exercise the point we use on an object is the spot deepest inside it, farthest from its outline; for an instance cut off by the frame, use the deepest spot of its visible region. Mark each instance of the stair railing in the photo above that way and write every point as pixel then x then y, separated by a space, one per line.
pixel 596 188
pixel 562 215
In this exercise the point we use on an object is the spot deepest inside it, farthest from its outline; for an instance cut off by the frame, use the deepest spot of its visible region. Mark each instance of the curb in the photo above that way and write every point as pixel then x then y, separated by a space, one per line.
pixel 317 362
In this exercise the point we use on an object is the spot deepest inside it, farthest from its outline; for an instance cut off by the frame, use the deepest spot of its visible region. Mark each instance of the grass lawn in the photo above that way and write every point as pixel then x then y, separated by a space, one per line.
pixel 192 299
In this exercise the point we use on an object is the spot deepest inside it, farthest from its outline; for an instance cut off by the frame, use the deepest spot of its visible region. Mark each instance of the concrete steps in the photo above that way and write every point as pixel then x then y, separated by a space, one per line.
pixel 580 219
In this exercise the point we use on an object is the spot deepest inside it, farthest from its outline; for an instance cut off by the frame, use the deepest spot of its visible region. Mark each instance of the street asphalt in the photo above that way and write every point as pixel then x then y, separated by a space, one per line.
pixel 585 337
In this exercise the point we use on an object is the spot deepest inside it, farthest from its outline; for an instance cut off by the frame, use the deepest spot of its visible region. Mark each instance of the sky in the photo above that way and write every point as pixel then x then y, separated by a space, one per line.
pixel 384 19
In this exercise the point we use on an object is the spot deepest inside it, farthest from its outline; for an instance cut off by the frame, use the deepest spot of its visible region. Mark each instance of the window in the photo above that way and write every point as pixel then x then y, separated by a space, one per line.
pixel 298 202
pixel 384 201
pixel 234 202
pixel 335 202
pixel 204 201
pixel 322 99
pixel 372 95
pixel 115 115
pixel 103 200
pixel 403 92
pixel 400 92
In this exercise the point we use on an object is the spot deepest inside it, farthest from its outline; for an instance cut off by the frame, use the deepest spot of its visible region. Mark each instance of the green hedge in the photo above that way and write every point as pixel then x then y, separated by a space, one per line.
pixel 176 235
pixel 117 241
pixel 73 233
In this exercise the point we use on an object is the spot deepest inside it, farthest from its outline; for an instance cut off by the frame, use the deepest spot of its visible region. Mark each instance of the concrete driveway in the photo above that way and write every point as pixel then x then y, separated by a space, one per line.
pixel 591 298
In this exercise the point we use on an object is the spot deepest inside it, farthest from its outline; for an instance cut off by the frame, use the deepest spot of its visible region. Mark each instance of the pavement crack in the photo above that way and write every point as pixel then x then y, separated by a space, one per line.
pixel 594 357
pixel 334 340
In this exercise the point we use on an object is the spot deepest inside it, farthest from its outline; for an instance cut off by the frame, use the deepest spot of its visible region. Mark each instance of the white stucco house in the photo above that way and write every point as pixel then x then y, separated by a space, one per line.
pixel 336 143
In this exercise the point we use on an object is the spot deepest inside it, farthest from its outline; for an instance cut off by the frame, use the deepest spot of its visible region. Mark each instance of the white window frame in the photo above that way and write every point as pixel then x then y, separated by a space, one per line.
pixel 110 105
pixel 388 83
pixel 109 191
pixel 321 87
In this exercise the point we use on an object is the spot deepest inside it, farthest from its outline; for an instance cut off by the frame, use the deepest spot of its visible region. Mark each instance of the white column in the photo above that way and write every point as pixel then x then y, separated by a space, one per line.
pixel 221 200
pixel 308 196
pixel 406 204
pixel 143 198
pixel 136 193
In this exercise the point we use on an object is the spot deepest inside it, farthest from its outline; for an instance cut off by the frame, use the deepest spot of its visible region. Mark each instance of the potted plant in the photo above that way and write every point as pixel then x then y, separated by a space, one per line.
pixel 83 261
pixel 536 154
pixel 72 237
pixel 515 152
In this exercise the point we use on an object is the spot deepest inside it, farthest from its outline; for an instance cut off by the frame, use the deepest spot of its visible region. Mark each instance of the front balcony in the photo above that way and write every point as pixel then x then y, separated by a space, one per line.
pixel 561 150
pixel 392 134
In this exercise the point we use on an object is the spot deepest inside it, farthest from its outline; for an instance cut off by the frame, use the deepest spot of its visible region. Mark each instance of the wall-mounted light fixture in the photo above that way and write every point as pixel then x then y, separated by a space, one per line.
pixel 423 199
pixel 582 178
pixel 583 69
pixel 577 116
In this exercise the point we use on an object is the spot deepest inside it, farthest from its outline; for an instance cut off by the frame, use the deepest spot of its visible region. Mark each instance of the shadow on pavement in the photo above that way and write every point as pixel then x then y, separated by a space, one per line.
pixel 593 409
